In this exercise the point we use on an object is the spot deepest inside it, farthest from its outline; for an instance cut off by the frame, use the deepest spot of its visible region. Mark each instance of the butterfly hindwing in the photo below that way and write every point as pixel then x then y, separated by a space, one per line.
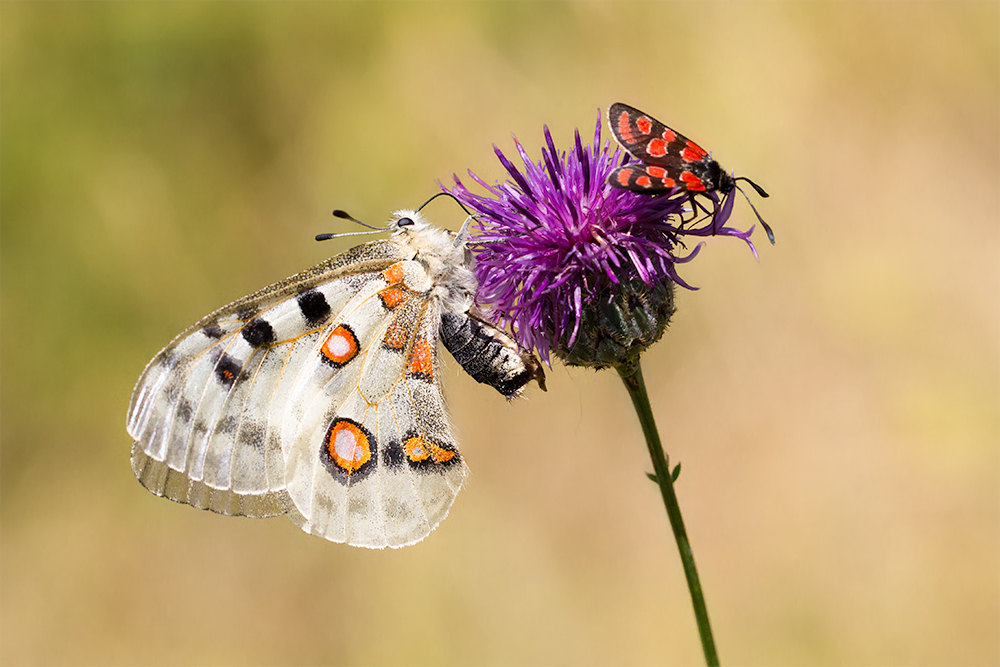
pixel 356 470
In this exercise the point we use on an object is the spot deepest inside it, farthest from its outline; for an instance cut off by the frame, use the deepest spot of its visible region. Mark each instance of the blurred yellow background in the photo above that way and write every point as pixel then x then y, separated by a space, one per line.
pixel 836 406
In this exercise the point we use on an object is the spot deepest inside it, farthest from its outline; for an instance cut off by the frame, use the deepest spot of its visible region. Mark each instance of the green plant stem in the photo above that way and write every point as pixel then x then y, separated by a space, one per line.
pixel 637 390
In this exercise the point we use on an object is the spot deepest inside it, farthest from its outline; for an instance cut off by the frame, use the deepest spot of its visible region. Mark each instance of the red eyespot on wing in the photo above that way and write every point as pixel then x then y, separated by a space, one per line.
pixel 348 445
pixel 420 449
pixel 340 346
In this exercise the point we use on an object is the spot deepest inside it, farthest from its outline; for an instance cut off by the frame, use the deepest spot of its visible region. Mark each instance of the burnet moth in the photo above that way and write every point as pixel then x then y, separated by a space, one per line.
pixel 669 160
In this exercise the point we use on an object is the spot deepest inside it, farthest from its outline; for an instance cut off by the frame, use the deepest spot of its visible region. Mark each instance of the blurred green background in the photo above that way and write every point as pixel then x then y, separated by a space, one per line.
pixel 835 406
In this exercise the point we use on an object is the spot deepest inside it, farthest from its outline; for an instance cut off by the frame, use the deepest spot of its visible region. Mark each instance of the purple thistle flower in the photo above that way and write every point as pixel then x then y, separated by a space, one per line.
pixel 559 252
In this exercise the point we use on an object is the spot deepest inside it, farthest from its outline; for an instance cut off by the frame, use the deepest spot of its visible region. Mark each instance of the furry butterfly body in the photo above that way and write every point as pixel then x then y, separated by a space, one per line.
pixel 318 397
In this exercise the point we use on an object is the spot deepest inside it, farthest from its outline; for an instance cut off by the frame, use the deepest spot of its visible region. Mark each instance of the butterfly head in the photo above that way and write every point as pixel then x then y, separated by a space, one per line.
pixel 406 221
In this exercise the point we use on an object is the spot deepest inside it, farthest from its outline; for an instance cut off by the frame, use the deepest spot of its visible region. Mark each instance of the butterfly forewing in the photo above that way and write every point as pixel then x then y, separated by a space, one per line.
pixel 204 410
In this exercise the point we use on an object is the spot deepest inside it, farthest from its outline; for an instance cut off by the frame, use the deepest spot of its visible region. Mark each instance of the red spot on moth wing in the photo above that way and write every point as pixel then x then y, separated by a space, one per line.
pixel 622 176
pixel 669 135
pixel 643 181
pixel 340 346
pixel 660 173
pixel 657 148
pixel 421 359
pixel 692 182
pixel 625 128
pixel 394 274
pixel 645 124
pixel 693 152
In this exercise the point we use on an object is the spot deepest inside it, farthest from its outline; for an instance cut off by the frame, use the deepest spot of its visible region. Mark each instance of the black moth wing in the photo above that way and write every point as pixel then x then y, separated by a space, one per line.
pixel 648 140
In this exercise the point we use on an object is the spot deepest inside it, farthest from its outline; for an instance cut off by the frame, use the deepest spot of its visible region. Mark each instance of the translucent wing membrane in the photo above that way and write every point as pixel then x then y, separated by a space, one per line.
pixel 318 397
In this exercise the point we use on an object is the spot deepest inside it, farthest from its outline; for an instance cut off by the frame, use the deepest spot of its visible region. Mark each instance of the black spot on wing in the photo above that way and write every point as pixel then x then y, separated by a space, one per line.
pixel 227 370
pixel 185 410
pixel 227 425
pixel 253 434
pixel 314 307
pixel 258 332
pixel 213 331
pixel 392 455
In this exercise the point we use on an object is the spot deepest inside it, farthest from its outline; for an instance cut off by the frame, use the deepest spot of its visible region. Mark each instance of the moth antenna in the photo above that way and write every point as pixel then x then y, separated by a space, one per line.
pixel 770 234
pixel 756 187
pixel 445 194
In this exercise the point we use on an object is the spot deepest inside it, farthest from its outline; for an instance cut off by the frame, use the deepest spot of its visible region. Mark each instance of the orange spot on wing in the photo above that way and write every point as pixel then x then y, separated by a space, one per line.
pixel 669 135
pixel 421 359
pixel 643 181
pixel 644 123
pixel 623 176
pixel 392 296
pixel 656 172
pixel 340 346
pixel 394 274
pixel 396 335
pixel 348 446
pixel 420 449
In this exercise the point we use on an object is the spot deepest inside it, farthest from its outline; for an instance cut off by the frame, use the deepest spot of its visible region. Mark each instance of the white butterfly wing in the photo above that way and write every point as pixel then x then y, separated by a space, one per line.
pixel 319 396
pixel 206 412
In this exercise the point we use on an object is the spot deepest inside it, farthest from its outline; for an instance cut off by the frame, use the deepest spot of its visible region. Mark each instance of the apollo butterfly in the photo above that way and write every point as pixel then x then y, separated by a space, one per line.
pixel 319 397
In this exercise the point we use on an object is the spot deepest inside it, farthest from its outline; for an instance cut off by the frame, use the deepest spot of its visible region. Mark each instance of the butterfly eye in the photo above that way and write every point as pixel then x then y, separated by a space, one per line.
pixel 404 222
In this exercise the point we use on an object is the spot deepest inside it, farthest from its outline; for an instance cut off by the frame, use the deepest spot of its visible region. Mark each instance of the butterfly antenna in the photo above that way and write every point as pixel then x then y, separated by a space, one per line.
pixel 770 234
pixel 445 194
pixel 337 213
